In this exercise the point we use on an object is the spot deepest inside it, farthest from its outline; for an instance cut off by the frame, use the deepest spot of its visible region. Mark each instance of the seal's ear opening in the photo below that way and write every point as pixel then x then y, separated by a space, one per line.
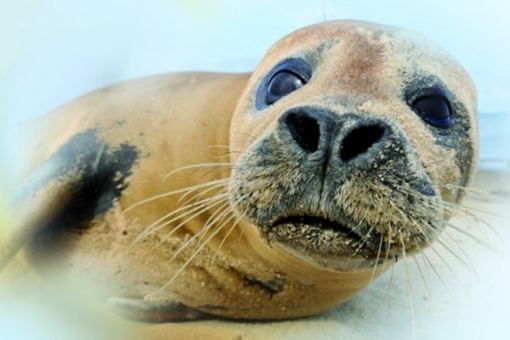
pixel 286 77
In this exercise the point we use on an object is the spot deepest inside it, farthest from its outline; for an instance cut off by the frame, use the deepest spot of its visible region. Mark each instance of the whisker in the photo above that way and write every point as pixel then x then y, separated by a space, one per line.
pixel 464 214
pixel 466 210
pixel 184 246
pixel 431 265
pixel 467 265
pixel 409 284
pixel 240 233
pixel 476 239
pixel 324 10
pixel 214 172
pixel 234 225
pixel 217 146
pixel 230 152
pixel 202 205
pixel 446 263
pixel 185 221
pixel 357 226
pixel 422 275
pixel 390 281
pixel 188 261
pixel 375 268
pixel 454 244
pixel 171 193
pixel 246 134
pixel 463 189
pixel 219 184
pixel 218 220
pixel 198 167
pixel 363 241
pixel 215 218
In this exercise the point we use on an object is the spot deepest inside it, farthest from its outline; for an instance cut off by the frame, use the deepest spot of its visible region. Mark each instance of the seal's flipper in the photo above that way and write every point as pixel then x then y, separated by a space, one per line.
pixel 154 311
pixel 32 208
pixel 84 177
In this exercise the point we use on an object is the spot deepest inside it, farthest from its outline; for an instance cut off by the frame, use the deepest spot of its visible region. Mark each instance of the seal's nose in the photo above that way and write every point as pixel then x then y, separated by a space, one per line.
pixel 359 140
pixel 305 130
pixel 312 131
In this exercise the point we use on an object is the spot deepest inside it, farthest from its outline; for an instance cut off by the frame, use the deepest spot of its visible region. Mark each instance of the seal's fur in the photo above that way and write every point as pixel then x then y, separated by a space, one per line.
pixel 266 196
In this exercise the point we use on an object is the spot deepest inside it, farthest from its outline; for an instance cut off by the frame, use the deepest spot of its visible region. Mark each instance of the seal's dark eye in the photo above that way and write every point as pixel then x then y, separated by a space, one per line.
pixel 286 77
pixel 434 109
pixel 282 83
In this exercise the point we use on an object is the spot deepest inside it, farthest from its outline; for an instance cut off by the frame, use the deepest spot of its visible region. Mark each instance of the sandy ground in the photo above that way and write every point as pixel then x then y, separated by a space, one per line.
pixel 437 296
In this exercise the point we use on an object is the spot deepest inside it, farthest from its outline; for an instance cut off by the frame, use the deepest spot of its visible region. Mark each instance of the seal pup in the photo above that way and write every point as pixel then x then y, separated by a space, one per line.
pixel 273 195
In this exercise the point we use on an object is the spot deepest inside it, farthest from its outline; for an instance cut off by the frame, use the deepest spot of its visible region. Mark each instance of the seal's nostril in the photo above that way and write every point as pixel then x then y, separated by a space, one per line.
pixel 359 140
pixel 305 130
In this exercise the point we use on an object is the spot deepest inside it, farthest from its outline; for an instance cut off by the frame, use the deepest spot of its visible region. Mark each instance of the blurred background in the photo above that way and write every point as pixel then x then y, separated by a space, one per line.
pixel 52 51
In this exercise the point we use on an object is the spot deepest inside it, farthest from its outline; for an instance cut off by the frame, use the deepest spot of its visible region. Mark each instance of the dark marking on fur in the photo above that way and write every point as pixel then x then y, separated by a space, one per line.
pixel 98 174
pixel 271 287
pixel 154 311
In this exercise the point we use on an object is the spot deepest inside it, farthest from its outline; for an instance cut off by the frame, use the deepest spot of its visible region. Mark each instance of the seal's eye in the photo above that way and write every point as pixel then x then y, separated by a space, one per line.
pixel 434 109
pixel 281 84
pixel 433 104
pixel 286 77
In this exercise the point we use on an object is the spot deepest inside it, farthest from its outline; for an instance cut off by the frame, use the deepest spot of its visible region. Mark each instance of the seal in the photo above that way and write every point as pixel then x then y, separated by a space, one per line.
pixel 270 195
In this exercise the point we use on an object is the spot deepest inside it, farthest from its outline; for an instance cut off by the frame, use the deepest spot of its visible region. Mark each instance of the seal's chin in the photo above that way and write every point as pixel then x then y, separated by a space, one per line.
pixel 323 242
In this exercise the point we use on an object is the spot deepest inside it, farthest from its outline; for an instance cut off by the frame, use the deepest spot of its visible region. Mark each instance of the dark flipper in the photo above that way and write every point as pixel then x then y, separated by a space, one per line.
pixel 154 311
pixel 30 212
pixel 84 177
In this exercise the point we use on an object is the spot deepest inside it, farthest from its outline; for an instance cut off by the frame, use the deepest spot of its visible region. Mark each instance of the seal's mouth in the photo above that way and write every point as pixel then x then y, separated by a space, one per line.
pixel 319 235
pixel 322 241
pixel 320 223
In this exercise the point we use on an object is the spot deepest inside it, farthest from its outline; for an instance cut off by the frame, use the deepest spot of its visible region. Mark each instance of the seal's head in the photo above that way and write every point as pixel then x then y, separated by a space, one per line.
pixel 348 142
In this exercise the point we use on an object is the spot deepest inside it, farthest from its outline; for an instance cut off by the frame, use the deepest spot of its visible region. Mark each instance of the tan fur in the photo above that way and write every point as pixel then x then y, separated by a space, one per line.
pixel 200 118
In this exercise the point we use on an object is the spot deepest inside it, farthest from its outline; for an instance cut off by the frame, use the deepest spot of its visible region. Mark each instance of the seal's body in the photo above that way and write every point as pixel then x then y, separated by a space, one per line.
pixel 265 196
